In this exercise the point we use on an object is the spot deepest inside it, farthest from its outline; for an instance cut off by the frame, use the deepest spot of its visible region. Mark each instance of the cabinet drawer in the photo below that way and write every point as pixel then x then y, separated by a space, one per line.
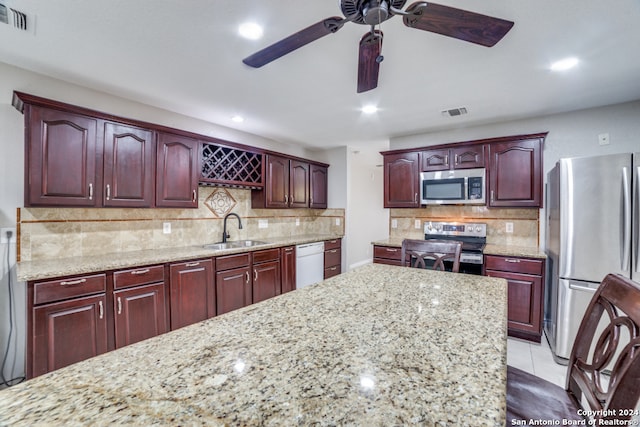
pixel 332 244
pixel 387 261
pixel 266 255
pixel 138 276
pixel 387 252
pixel 61 289
pixel 514 264
pixel 331 271
pixel 228 262
pixel 332 258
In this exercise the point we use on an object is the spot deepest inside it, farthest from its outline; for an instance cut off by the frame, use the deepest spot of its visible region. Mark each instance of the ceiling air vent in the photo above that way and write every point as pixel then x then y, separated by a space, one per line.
pixel 16 18
pixel 454 112
pixel 3 14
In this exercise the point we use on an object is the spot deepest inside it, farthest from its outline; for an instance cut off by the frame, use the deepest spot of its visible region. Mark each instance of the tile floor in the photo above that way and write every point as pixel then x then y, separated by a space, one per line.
pixel 536 359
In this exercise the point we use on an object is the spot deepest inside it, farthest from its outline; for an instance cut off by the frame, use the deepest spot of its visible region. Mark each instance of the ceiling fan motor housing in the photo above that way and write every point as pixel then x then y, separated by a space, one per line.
pixel 369 12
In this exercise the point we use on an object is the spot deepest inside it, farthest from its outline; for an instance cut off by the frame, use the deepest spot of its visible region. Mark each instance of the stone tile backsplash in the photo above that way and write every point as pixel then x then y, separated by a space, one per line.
pixel 525 222
pixel 51 233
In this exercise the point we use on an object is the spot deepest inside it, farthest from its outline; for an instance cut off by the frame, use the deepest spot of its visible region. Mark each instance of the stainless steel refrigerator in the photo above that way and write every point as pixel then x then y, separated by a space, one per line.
pixel 592 230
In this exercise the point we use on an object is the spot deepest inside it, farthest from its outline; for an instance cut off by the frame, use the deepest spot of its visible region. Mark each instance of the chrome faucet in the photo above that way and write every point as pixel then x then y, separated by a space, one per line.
pixel 225 235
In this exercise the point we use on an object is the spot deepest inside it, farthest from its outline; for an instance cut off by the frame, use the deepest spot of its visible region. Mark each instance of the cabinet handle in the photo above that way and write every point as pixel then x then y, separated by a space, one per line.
pixel 73 282
pixel 248 277
pixel 255 275
pixel 101 309
pixel 333 251
pixel 119 306
pixel 333 268
pixel 446 159
pixel 292 199
pixel 146 270
pixel 192 264
pixel 333 241
pixel 455 159
pixel 108 192
pixel 391 250
pixel 286 199
pixel 193 196
pixel 310 200
pixel 514 260
pixel 415 198
pixel 90 191
pixel 491 196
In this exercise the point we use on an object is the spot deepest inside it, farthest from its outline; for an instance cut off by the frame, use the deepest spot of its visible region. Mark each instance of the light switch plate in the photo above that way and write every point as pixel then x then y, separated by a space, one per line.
pixel 297 222
pixel 509 227
pixel 394 223
pixel 337 221
pixel 166 228
pixel 417 224
pixel 263 223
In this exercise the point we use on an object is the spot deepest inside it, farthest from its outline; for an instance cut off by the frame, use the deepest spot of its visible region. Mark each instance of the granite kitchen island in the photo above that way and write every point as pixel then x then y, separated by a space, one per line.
pixel 378 346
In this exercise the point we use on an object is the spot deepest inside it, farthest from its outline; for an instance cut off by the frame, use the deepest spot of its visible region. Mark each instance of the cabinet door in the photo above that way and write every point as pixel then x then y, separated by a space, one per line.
pixel 471 156
pixel 515 174
pixel 298 184
pixel 68 332
pixel 277 182
pixel 129 179
pixel 60 159
pixel 139 313
pixel 288 266
pixel 192 292
pixel 266 280
pixel 319 184
pixel 435 160
pixel 524 301
pixel 401 181
pixel 233 289
pixel 177 171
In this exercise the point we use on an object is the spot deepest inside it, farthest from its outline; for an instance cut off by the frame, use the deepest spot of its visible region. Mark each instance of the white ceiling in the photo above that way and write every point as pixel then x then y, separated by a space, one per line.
pixel 185 56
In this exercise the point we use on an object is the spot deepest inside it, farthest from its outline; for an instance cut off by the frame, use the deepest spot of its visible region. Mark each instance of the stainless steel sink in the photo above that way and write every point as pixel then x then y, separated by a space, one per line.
pixel 235 244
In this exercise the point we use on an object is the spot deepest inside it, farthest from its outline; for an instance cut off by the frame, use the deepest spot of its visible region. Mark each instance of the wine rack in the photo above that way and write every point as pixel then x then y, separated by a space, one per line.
pixel 232 167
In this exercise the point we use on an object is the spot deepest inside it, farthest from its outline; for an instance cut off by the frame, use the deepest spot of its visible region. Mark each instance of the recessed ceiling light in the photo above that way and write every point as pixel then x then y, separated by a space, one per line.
pixel 369 109
pixel 564 64
pixel 237 119
pixel 250 30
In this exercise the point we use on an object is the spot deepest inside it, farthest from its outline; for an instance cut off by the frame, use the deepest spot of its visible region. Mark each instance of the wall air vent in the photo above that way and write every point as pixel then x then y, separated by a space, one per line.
pixel 454 112
pixel 3 14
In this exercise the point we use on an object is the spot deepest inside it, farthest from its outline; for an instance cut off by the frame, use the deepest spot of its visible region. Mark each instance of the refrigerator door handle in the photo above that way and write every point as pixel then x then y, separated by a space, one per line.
pixel 636 222
pixel 582 288
pixel 626 220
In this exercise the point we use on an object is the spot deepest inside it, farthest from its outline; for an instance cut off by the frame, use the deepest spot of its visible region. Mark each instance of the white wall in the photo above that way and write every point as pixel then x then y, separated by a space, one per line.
pixel 571 134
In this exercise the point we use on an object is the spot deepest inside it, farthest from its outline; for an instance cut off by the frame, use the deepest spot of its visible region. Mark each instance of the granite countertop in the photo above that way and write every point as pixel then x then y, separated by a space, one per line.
pixel 37 270
pixel 490 249
pixel 377 346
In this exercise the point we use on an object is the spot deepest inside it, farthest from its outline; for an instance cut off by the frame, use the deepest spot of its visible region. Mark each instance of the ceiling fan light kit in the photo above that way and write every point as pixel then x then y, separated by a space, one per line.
pixel 444 20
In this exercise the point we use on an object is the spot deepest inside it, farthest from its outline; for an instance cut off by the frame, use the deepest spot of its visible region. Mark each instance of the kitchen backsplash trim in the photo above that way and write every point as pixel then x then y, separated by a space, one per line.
pixel 52 233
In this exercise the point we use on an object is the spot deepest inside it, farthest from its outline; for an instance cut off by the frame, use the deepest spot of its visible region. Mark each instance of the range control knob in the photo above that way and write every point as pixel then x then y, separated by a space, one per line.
pixel 429 227
pixel 478 228
pixel 439 227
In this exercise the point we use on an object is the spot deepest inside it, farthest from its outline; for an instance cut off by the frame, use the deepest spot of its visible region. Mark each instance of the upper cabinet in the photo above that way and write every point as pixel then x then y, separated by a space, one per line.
pixel 222 165
pixel 464 157
pixel 402 180
pixel 177 171
pixel 513 165
pixel 515 173
pixel 291 183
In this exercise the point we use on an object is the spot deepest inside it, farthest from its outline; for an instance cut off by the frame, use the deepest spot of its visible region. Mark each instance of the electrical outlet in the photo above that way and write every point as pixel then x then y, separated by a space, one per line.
pixel 166 228
pixel 3 235
pixel 509 227
pixel 417 224
pixel 337 221
pixel 394 223
pixel 263 223
pixel 297 222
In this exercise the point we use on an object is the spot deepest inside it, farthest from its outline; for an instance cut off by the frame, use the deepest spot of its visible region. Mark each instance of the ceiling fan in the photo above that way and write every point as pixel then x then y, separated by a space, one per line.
pixel 448 21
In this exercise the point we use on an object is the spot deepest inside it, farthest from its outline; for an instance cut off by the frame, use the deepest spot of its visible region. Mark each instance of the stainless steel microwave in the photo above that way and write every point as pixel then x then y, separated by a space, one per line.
pixel 462 186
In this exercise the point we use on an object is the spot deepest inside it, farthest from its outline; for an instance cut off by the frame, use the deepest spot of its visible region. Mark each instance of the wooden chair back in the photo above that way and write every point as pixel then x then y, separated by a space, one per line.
pixel 419 253
pixel 616 302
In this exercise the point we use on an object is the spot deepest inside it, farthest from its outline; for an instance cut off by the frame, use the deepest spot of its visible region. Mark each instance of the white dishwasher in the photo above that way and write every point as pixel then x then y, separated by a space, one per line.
pixel 309 264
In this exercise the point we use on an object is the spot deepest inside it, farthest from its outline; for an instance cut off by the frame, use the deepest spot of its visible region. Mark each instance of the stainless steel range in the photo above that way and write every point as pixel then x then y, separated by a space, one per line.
pixel 472 235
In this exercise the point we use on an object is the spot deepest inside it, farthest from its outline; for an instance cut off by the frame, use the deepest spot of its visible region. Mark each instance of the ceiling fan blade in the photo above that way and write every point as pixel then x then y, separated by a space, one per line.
pixel 294 41
pixel 457 23
pixel 369 61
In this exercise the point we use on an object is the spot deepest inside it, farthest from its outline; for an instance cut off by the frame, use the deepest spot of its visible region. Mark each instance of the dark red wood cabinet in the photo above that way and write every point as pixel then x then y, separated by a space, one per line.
pixel 288 268
pixel 129 175
pixel 233 282
pixel 139 304
pixel 177 171
pixel 402 180
pixel 332 258
pixel 525 278
pixel 318 183
pixel 192 289
pixel 389 255
pixel 60 158
pixel 266 274
pixel 464 157
pixel 67 322
pixel 515 173
pixel 298 184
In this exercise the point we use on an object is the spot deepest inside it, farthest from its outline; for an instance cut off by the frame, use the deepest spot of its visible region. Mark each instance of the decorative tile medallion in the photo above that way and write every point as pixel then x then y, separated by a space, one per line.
pixel 220 202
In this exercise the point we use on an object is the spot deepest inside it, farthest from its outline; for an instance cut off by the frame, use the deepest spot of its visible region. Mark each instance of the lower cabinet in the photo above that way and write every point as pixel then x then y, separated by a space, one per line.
pixel 233 282
pixel 67 322
pixel 192 292
pixel 390 255
pixel 266 274
pixel 332 258
pixel 288 268
pixel 139 304
pixel 525 278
